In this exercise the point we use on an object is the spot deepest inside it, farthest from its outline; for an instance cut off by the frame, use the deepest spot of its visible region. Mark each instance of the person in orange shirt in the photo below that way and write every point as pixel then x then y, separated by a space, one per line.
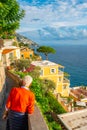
pixel 19 104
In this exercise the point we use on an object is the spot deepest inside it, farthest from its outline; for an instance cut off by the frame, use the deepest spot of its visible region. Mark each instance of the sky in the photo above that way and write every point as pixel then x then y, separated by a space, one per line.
pixel 54 20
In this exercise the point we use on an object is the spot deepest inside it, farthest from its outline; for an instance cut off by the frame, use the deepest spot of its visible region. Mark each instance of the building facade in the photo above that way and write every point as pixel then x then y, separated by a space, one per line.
pixel 54 72
pixel 9 54
pixel 26 53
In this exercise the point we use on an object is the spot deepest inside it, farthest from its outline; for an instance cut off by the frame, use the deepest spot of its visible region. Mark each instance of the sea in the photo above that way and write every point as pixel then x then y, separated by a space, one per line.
pixel 74 60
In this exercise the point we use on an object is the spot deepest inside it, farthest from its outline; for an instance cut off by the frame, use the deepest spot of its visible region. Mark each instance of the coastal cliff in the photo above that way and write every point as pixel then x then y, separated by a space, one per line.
pixel 23 39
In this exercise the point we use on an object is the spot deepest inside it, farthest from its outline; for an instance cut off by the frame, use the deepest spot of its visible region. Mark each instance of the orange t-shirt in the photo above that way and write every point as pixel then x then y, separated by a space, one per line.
pixel 21 100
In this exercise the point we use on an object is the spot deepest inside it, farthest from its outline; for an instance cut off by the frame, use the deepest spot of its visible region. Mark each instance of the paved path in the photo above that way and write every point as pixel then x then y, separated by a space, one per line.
pixel 9 84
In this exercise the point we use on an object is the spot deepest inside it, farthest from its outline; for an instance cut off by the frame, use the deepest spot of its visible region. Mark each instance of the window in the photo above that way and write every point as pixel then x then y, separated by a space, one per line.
pixel 11 55
pixel 64 87
pixel 31 55
pixel 22 56
pixel 53 70
pixel 60 79
pixel 41 72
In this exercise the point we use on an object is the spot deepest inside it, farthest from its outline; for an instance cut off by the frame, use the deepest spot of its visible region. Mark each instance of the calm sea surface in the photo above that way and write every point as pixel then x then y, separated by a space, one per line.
pixel 74 58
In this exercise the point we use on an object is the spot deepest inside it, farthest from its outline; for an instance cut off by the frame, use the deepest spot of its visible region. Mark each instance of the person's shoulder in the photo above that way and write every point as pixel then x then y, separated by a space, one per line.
pixel 31 93
pixel 14 88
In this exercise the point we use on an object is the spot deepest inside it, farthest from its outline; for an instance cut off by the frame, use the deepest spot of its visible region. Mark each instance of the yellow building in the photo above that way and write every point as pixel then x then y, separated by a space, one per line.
pixel 52 71
pixel 10 54
pixel 26 53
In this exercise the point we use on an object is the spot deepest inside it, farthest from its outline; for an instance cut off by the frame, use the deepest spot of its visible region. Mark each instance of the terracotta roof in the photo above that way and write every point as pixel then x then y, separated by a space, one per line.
pixel 79 91
pixel 7 51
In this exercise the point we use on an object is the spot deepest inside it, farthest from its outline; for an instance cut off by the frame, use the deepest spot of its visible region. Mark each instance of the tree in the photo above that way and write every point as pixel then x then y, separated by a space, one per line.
pixel 21 44
pixel 10 16
pixel 66 75
pixel 46 50
pixel 48 85
pixel 21 65
pixel 35 73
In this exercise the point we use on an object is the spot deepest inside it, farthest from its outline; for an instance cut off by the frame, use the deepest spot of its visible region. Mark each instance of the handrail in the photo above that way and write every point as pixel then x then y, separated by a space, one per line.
pixel 36 120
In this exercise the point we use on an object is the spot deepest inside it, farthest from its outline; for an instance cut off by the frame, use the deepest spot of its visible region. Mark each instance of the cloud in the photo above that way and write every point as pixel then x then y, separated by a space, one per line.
pixel 55 18
pixel 51 34
pixel 68 24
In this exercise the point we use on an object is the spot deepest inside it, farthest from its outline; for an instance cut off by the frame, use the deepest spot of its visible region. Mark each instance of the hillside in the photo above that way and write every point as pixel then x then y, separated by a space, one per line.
pixel 25 40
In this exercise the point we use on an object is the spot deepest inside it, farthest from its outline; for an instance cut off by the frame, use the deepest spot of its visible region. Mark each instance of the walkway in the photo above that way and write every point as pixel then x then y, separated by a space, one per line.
pixel 9 85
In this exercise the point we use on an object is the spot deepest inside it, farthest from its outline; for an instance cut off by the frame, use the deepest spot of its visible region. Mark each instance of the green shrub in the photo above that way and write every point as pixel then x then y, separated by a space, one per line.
pixel 49 118
pixel 55 126
pixel 54 104
pixel 44 104
pixel 36 88
pixel 21 74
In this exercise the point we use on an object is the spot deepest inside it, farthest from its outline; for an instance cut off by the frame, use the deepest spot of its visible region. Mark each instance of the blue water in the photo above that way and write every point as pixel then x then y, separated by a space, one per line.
pixel 74 58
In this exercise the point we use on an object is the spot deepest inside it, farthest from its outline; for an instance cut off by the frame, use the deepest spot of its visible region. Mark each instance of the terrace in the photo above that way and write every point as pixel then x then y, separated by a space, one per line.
pixel 74 120
pixel 60 72
pixel 65 80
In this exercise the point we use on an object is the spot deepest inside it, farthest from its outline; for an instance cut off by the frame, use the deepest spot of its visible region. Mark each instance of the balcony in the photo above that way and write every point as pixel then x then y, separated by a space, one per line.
pixel 60 72
pixel 65 80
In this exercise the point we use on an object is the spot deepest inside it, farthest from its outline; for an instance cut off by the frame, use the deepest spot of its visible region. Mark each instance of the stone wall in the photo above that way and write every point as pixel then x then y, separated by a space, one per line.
pixel 2 83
